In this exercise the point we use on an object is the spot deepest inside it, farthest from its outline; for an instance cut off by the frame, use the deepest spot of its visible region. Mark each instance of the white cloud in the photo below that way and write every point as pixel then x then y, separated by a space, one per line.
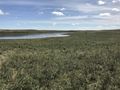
pixel 103 18
pixel 72 18
pixel 115 1
pixel 3 13
pixel 100 2
pixel 62 9
pixel 116 9
pixel 54 23
pixel 57 13
pixel 75 24
pixel 105 14
pixel 87 8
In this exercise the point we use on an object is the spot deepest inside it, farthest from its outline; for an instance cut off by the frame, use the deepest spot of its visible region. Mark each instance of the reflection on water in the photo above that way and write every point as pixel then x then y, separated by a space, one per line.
pixel 35 36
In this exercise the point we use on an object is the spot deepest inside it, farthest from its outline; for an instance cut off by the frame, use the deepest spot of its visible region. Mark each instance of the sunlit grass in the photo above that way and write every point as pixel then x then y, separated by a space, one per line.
pixel 84 61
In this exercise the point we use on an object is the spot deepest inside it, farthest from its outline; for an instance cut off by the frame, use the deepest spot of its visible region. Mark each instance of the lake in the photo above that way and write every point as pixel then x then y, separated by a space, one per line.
pixel 34 36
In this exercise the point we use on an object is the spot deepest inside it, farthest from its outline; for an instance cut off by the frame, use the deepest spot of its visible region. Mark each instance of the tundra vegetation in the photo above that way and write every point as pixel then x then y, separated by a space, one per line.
pixel 86 60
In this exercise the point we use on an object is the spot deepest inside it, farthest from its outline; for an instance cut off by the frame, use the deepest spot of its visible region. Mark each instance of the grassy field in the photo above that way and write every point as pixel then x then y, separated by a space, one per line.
pixel 87 60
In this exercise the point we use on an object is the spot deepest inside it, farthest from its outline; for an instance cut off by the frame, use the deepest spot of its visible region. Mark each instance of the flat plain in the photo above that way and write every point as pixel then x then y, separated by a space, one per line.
pixel 86 60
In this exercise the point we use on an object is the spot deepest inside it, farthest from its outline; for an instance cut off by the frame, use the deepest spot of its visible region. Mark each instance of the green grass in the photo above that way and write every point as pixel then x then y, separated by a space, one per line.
pixel 87 60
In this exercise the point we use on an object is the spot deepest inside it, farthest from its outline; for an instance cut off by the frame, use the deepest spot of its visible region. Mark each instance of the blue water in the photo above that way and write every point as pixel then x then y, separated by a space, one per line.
pixel 35 36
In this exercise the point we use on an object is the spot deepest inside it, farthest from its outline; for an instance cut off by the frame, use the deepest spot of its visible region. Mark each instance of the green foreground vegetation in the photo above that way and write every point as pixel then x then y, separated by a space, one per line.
pixel 87 60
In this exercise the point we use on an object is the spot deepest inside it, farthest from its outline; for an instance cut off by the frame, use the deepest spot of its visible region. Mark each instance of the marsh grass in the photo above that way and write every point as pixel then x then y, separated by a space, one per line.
pixel 88 60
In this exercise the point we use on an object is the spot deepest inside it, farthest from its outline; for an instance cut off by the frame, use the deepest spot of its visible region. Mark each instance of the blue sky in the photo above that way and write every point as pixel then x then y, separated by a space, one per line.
pixel 60 14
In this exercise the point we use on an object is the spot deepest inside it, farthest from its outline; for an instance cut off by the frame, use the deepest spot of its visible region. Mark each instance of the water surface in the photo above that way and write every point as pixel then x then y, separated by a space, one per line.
pixel 35 36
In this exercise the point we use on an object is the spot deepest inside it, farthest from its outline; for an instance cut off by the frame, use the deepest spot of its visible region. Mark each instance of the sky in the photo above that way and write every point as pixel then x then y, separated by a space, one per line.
pixel 60 14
